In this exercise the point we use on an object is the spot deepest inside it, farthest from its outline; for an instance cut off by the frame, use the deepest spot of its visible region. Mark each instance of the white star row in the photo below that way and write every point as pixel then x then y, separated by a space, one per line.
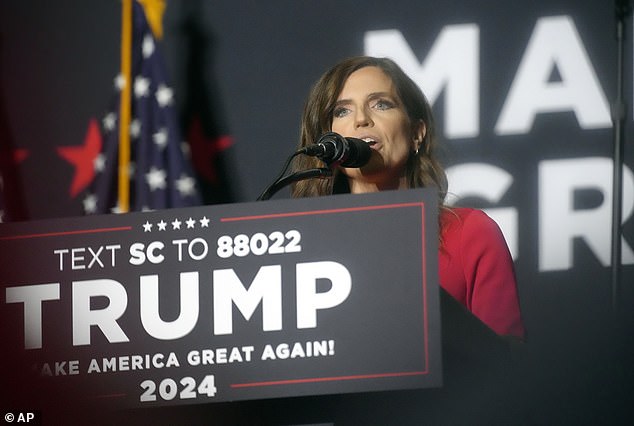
pixel 185 185
pixel 160 137
pixel 141 87
pixel 156 178
pixel 176 224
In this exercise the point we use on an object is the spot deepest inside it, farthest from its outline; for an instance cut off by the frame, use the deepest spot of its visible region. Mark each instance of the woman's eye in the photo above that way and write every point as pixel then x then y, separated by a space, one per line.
pixel 383 104
pixel 340 112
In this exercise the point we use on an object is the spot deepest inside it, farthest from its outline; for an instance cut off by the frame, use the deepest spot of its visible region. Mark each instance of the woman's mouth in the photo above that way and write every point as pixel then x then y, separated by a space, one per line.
pixel 370 141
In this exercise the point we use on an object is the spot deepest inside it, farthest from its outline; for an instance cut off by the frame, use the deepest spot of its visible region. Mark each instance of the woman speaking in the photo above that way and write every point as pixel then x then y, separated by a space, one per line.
pixel 372 99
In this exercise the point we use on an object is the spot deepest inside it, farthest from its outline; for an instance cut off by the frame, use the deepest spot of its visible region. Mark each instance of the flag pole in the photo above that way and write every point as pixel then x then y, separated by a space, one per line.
pixel 124 108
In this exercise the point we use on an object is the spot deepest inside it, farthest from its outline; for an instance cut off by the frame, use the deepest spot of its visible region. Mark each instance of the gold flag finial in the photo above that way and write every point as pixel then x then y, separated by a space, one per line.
pixel 154 13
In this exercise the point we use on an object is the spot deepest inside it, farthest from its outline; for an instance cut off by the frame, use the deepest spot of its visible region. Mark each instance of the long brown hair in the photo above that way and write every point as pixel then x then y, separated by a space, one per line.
pixel 423 168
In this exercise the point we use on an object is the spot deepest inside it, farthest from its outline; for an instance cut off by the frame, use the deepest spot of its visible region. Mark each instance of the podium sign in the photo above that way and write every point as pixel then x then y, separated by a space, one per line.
pixel 224 303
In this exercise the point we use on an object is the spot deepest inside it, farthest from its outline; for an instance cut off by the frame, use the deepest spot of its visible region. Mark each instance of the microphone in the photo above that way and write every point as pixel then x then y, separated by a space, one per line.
pixel 332 148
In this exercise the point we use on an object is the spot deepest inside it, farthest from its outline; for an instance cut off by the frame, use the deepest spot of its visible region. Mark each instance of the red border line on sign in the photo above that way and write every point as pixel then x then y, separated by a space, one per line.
pixel 327 379
pixel 57 234
pixel 312 212
pixel 424 272
pixel 425 317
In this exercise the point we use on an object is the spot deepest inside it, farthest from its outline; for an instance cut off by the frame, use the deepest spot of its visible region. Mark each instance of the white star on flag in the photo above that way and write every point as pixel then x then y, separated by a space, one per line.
pixel 185 185
pixel 99 163
pixel 155 178
pixel 135 128
pixel 148 46
pixel 160 138
pixel 119 82
pixel 110 121
pixel 116 209
pixel 90 203
pixel 164 95
pixel 141 86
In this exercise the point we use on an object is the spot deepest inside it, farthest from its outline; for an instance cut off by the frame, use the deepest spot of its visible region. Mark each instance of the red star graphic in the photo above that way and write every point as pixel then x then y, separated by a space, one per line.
pixel 83 157
pixel 13 156
pixel 205 150
pixel 19 155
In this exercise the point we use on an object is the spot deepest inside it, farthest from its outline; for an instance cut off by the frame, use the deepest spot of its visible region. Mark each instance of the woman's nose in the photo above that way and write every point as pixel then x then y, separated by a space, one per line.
pixel 362 118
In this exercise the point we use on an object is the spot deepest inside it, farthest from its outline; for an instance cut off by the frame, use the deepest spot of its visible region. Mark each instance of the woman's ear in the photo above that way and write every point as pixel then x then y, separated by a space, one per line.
pixel 419 132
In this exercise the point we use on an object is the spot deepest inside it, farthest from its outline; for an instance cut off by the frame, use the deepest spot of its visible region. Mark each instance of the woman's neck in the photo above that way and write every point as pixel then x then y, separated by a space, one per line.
pixel 362 186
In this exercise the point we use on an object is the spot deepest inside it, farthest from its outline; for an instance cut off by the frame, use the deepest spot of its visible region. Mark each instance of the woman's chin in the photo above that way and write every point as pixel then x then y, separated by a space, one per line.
pixel 376 164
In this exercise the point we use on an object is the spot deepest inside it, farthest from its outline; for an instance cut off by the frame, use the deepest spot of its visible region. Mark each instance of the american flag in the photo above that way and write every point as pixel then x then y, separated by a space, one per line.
pixel 161 174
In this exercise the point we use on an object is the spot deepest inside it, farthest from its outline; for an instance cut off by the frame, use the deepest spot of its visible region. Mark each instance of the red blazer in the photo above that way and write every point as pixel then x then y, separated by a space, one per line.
pixel 476 268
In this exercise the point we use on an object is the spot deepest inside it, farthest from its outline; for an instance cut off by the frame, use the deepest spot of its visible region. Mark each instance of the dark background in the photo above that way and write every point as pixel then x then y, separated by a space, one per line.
pixel 245 68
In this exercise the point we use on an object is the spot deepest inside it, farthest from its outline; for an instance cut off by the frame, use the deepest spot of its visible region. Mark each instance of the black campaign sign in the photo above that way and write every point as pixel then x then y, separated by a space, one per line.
pixel 222 303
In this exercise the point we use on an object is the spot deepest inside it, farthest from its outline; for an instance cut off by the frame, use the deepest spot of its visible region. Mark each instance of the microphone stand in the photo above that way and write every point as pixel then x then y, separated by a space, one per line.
pixel 623 10
pixel 331 148
pixel 295 177
pixel 281 181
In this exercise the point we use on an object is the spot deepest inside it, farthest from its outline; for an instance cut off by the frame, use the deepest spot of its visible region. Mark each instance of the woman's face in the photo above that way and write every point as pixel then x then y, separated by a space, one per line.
pixel 369 108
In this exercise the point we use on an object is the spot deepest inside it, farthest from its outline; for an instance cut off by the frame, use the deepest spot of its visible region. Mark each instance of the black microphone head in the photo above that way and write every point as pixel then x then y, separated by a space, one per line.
pixel 344 151
pixel 359 153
